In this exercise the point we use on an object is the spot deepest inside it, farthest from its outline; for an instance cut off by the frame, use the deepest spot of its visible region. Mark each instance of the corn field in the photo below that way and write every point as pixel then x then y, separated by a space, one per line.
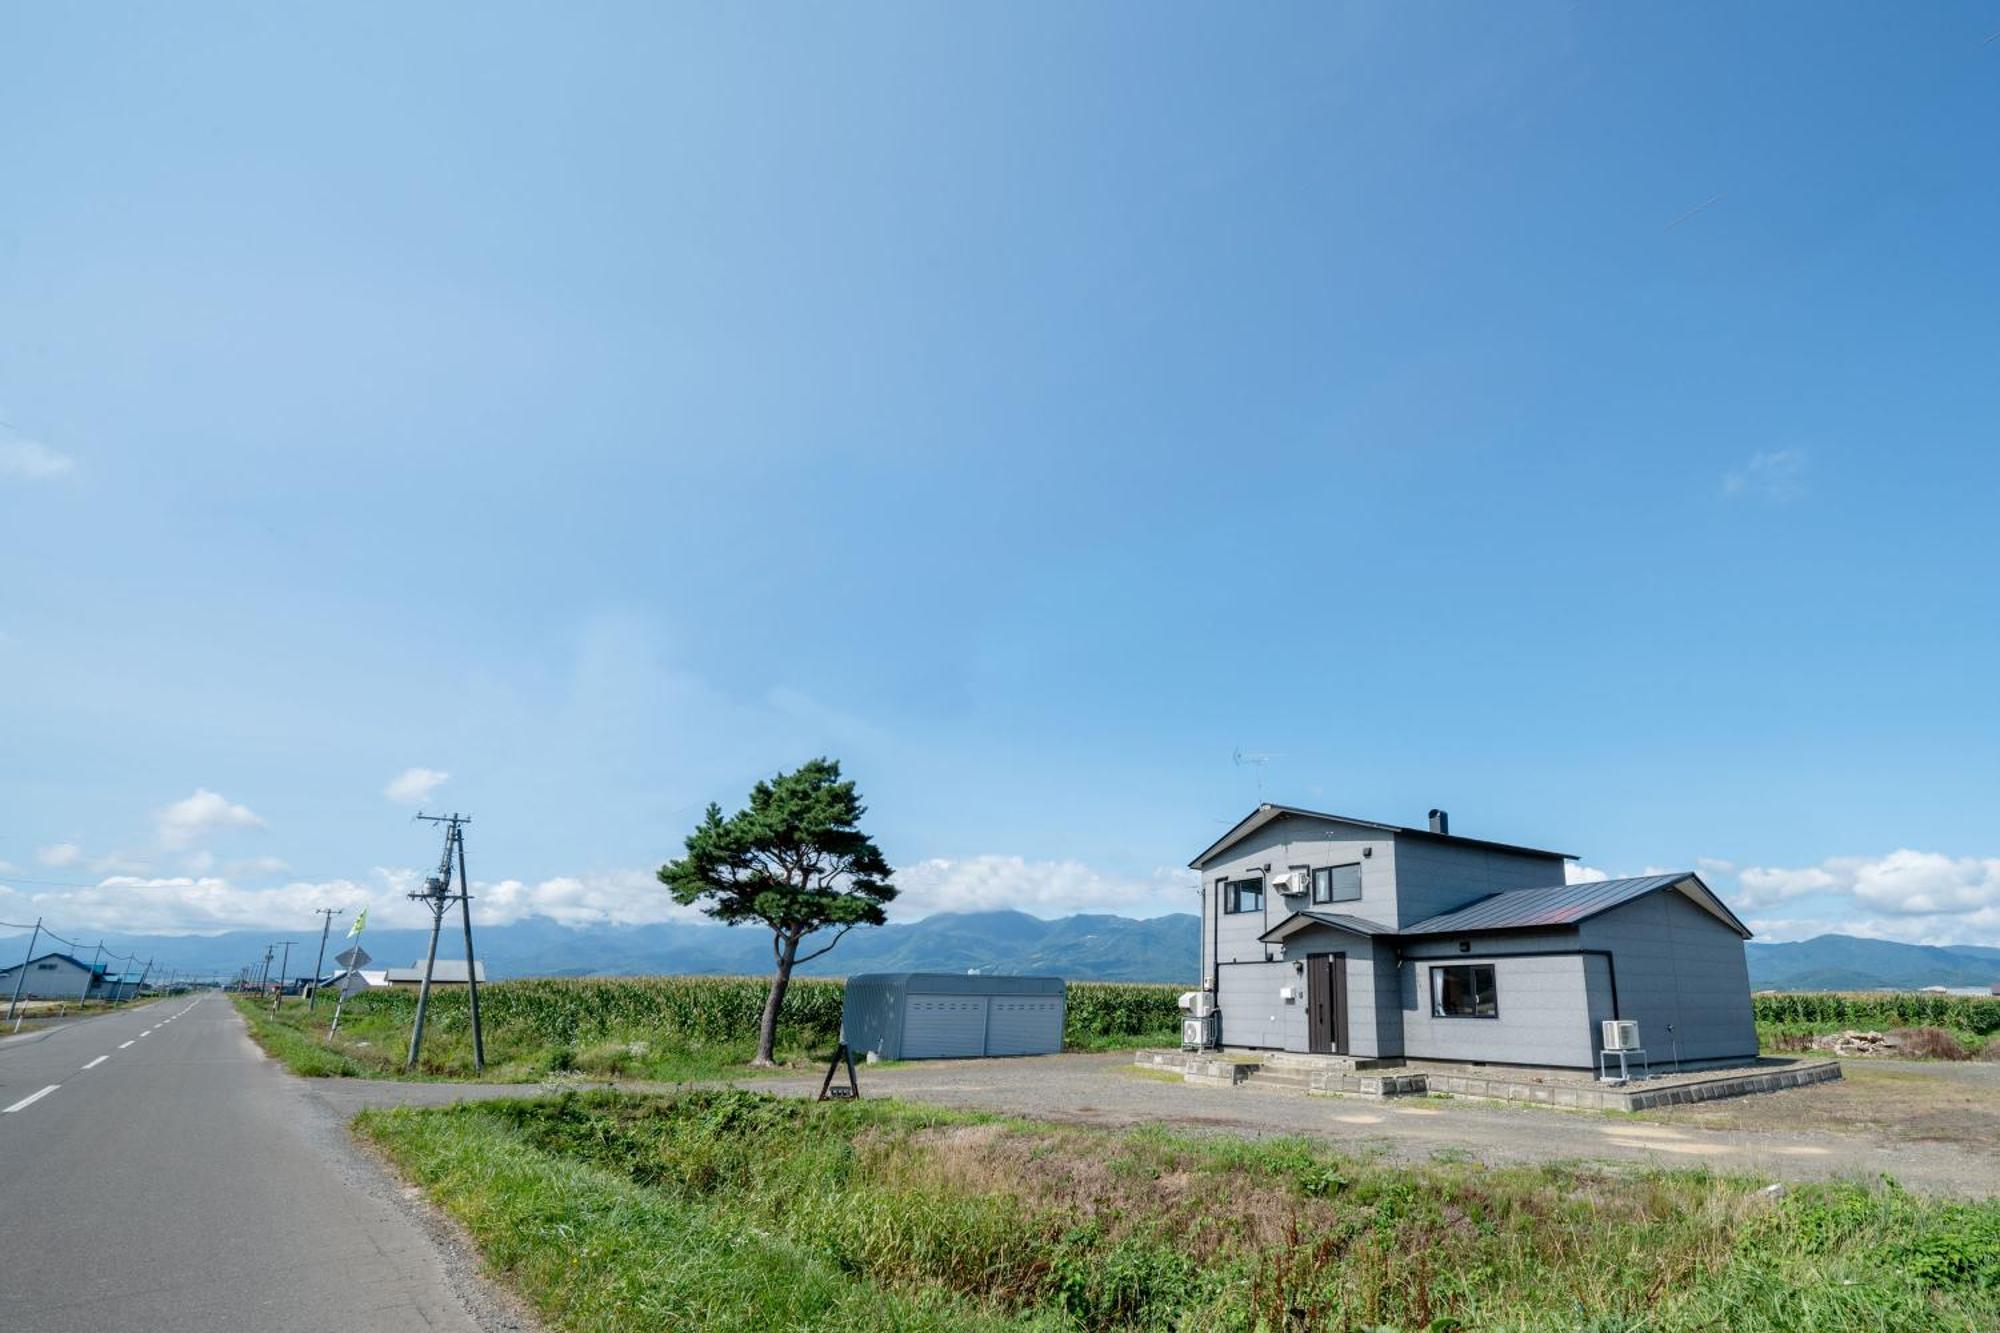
pixel 1967 1013
pixel 714 1011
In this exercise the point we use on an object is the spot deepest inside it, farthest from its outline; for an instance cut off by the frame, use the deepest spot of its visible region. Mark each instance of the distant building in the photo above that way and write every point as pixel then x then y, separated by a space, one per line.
pixel 54 976
pixel 445 972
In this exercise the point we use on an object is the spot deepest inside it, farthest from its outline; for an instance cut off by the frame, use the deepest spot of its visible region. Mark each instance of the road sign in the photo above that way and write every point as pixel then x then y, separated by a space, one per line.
pixel 353 959
pixel 350 983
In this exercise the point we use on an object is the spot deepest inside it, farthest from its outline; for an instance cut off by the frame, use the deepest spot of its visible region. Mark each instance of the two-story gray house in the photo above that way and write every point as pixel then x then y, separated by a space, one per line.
pixel 1324 933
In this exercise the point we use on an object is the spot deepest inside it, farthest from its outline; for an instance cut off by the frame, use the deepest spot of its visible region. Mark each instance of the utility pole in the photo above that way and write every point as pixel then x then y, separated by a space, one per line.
pixel 14 1005
pixel 438 897
pixel 264 976
pixel 93 969
pixel 283 968
pixel 319 968
pixel 471 968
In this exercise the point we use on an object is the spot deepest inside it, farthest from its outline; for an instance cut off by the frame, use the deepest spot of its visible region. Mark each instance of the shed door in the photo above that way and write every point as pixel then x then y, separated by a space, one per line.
pixel 935 1026
pixel 1024 1025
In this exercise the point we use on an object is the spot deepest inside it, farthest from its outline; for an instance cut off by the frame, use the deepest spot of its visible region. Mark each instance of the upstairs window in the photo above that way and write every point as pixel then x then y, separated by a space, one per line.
pixel 1464 990
pixel 1337 884
pixel 1243 895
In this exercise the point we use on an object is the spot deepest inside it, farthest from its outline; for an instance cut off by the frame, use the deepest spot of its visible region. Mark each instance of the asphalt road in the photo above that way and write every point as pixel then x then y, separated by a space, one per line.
pixel 157 1172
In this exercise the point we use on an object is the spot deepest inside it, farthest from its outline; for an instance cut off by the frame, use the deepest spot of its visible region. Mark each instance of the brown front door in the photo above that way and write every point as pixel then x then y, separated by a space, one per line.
pixel 1326 1003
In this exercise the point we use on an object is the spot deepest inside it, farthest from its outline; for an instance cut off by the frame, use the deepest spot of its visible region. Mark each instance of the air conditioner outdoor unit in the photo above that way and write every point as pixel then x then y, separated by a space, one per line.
pixel 1198 1003
pixel 1621 1035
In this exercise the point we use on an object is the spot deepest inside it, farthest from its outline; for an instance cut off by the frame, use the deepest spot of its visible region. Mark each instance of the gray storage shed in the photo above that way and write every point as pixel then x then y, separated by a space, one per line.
pixel 941 1015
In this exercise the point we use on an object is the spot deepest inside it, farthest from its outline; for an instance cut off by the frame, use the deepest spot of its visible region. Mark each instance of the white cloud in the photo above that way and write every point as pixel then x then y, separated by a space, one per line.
pixel 201 862
pixel 413 786
pixel 614 898
pixel 202 813
pixel 30 460
pixel 1981 927
pixel 1776 474
pixel 1039 888
pixel 1765 886
pixel 61 854
pixel 201 903
pixel 185 904
pixel 1575 872
pixel 1904 882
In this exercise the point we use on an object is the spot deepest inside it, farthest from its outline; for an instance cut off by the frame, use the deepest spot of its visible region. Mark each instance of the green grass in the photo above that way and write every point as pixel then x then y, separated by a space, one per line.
pixel 667 1029
pixel 731 1210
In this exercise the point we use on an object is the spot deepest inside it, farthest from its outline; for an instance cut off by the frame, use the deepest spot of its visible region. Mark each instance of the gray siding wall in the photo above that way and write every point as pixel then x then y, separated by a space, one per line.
pixel 1388 998
pixel 65 981
pixel 1678 965
pixel 1281 845
pixel 1544 1005
pixel 1254 1012
pixel 1434 877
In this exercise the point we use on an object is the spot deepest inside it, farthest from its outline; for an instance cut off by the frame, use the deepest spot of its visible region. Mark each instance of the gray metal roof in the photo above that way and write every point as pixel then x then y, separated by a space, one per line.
pixel 71 959
pixel 449 970
pixel 1298 921
pixel 1567 904
pixel 1268 812
pixel 956 983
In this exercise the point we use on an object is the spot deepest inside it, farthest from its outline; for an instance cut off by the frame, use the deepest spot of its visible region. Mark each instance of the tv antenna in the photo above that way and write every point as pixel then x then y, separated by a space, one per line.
pixel 437 895
pixel 1240 757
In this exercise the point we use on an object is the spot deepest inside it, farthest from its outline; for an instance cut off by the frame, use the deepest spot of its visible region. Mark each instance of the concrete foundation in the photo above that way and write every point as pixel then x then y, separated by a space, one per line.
pixel 1341 1076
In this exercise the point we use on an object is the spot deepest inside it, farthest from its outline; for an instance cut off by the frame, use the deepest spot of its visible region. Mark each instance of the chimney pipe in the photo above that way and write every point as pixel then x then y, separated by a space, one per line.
pixel 1440 822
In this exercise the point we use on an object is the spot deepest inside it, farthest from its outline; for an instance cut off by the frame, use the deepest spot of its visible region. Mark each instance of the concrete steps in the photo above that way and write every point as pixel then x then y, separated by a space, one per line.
pixel 1278 1076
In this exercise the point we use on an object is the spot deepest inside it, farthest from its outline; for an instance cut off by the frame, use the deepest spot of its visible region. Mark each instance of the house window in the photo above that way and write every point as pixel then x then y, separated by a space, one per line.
pixel 1463 991
pixel 45 967
pixel 1243 895
pixel 1337 884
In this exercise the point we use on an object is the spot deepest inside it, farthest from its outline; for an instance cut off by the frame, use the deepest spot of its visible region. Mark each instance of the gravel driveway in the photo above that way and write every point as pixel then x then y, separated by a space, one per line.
pixel 1110 1090
pixel 1802 1134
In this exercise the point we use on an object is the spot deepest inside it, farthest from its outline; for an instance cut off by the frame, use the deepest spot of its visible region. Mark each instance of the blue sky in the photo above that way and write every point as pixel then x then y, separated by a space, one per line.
pixel 1577 416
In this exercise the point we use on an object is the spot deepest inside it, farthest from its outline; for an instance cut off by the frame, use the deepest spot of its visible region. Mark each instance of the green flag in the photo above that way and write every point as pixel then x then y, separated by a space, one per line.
pixel 360 923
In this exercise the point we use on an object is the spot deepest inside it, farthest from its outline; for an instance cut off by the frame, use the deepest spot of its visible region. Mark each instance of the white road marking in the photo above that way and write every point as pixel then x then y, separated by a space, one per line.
pixel 30 1099
pixel 123 1044
pixel 98 1061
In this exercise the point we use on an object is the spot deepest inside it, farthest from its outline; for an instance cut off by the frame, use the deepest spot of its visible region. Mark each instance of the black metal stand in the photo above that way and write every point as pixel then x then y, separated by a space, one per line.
pixel 850 1093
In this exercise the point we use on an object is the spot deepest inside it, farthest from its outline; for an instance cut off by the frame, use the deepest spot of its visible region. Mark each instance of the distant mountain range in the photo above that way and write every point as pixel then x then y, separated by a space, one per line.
pixel 1081 948
pixel 1844 962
